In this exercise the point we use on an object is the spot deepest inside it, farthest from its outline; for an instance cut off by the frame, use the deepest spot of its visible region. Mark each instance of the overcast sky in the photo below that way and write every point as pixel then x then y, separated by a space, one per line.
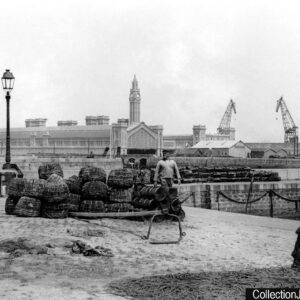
pixel 77 58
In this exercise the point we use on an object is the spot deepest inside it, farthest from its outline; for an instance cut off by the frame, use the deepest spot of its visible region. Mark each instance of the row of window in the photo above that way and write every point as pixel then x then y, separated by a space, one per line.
pixel 53 143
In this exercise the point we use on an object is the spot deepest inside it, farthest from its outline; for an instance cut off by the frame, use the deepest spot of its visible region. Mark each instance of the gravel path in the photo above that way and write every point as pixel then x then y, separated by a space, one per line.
pixel 215 242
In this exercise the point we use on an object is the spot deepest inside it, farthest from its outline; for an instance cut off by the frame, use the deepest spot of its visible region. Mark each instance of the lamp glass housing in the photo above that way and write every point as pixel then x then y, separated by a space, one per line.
pixel 8 81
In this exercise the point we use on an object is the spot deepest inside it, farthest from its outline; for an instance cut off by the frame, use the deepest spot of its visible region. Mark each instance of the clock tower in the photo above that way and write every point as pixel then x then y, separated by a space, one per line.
pixel 134 103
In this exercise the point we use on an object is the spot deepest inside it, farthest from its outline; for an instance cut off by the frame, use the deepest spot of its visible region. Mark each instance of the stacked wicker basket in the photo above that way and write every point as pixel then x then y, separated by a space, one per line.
pixel 51 196
pixel 74 184
pixel 55 198
pixel 15 192
pixel 94 190
pixel 143 176
pixel 120 182
pixel 47 196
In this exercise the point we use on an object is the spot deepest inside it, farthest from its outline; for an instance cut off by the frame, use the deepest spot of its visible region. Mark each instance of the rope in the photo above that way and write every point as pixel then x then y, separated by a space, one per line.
pixel 257 199
pixel 242 202
pixel 284 198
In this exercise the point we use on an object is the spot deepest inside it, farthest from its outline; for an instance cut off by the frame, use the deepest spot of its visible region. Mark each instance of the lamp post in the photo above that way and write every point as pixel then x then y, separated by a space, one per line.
pixel 8 80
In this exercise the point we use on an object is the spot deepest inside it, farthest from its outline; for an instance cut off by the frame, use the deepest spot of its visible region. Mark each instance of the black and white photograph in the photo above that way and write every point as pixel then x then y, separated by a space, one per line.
pixel 149 150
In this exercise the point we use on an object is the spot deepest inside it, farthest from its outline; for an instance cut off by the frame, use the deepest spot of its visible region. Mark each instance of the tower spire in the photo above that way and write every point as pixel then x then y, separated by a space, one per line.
pixel 134 102
pixel 134 83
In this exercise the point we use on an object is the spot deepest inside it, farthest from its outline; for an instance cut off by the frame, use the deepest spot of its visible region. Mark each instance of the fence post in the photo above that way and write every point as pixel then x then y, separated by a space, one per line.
pixel 271 203
pixel 296 252
pixel 249 192
pixel 194 199
pixel 217 199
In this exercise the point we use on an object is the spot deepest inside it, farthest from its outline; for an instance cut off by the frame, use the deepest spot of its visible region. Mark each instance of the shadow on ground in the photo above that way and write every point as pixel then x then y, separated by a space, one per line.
pixel 205 285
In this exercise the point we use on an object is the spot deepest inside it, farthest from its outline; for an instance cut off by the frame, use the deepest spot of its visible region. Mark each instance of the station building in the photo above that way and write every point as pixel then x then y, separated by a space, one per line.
pixel 127 136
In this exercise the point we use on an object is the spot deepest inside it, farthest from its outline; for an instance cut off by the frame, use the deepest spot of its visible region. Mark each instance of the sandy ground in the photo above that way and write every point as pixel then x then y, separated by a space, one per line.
pixel 214 241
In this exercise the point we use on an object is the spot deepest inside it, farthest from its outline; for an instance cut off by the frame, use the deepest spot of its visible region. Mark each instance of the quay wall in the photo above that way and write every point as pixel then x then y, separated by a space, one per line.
pixel 70 165
pixel 206 196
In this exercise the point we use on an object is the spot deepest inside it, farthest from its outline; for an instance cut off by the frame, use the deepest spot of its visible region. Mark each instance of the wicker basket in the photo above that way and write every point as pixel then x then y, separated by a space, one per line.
pixel 92 174
pixel 148 204
pixel 94 190
pixel 54 178
pixel 10 205
pixel 118 207
pixel 15 187
pixel 145 175
pixel 74 184
pixel 28 207
pixel 55 210
pixel 34 188
pixel 48 169
pixel 172 193
pixel 74 202
pixel 92 206
pixel 56 192
pixel 120 195
pixel 159 192
pixel 120 178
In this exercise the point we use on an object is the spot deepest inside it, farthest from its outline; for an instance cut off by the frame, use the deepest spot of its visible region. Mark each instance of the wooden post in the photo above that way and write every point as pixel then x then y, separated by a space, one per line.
pixel 249 193
pixel 271 204
pixel 217 199
pixel 296 252
pixel 194 199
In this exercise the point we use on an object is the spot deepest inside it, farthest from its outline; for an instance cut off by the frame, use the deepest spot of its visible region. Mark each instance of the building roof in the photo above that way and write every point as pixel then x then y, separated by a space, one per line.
pixel 187 152
pixel 268 150
pixel 59 132
pixel 216 144
pixel 177 136
pixel 284 150
pixel 265 146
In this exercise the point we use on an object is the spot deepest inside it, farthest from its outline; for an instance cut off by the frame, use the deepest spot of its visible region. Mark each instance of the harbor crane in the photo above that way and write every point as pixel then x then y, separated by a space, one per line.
pixel 224 127
pixel 290 129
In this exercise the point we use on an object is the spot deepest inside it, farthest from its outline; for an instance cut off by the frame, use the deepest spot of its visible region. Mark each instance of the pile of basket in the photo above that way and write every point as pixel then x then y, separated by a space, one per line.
pixel 120 182
pixel 93 191
pixel 46 197
pixel 157 198
pixel 51 196
pixel 225 174
pixel 143 176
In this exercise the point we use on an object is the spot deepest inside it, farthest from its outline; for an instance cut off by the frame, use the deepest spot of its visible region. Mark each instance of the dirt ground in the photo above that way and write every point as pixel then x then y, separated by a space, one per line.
pixel 214 241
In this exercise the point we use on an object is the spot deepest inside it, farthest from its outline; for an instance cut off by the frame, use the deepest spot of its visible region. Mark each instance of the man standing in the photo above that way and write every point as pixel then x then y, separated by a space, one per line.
pixel 165 170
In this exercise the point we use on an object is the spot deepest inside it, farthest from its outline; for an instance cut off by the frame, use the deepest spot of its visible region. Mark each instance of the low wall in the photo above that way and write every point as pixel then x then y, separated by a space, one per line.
pixel 70 166
pixel 254 163
pixel 206 196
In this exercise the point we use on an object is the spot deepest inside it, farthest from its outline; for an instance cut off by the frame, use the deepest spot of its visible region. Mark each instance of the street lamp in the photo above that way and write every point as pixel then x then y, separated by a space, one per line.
pixel 8 80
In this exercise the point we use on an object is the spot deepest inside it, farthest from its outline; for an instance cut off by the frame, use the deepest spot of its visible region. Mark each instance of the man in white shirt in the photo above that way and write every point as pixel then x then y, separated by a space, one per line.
pixel 165 170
